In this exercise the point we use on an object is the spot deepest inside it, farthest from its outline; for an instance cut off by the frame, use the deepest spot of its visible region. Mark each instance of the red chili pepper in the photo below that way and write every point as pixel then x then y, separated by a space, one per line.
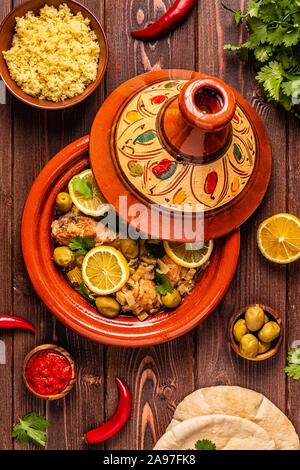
pixel 175 16
pixel 7 321
pixel 117 421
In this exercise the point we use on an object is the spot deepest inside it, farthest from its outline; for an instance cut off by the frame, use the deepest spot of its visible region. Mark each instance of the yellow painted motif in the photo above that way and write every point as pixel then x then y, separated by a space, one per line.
pixel 133 116
pixel 179 197
pixel 235 186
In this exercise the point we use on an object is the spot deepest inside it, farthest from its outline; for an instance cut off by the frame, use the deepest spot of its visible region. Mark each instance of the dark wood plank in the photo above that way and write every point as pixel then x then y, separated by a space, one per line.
pixel 6 337
pixel 256 279
pixel 38 135
pixel 160 376
pixel 293 327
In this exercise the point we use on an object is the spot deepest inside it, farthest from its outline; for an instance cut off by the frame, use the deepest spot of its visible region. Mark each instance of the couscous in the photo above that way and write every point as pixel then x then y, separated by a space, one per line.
pixel 54 55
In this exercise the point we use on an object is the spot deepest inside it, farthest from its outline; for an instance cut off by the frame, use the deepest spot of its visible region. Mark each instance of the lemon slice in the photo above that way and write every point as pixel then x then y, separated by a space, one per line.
pixel 105 270
pixel 94 205
pixel 189 255
pixel 278 238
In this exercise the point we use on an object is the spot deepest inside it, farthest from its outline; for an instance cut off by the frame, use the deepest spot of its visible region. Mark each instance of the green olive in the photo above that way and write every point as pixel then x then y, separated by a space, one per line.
pixel 63 256
pixel 171 299
pixel 249 345
pixel 269 332
pixel 266 319
pixel 263 347
pixel 254 317
pixel 63 202
pixel 108 306
pixel 240 329
pixel 129 248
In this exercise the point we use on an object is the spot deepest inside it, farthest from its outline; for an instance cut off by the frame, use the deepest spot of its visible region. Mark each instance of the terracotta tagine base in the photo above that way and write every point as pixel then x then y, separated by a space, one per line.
pixel 77 313
pixel 176 141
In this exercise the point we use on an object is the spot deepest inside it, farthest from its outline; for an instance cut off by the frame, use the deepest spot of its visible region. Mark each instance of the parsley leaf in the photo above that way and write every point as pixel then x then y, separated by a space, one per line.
pixel 81 186
pixel 293 370
pixel 273 46
pixel 293 367
pixel 163 284
pixel 31 428
pixel 292 37
pixel 253 7
pixel 268 12
pixel 291 87
pixel 81 245
pixel 258 32
pixel 275 35
pixel 238 17
pixel 205 444
pixel 294 356
pixel 83 290
pixel 262 53
pixel 155 248
pixel 271 76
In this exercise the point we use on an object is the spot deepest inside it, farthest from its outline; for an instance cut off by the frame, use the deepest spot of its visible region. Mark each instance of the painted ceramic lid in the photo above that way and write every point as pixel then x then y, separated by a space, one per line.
pixel 180 155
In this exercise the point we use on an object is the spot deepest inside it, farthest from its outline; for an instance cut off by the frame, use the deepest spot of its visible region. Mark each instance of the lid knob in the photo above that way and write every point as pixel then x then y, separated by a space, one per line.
pixel 196 125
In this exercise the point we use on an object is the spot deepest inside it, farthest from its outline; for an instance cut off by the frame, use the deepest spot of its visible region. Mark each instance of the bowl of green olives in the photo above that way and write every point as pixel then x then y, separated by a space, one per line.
pixel 255 332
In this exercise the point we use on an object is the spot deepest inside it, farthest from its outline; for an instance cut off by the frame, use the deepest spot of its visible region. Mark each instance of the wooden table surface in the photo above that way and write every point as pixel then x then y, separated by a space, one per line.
pixel 159 377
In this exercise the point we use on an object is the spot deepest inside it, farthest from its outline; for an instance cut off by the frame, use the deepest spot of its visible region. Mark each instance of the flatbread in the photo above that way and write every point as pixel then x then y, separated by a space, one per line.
pixel 226 432
pixel 241 402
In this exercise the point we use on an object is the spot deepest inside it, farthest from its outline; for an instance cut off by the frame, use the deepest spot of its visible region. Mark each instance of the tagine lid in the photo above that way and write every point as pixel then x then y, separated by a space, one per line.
pixel 180 155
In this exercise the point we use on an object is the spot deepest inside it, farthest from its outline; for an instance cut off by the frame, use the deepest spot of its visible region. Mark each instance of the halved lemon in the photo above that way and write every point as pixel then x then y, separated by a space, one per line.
pixel 94 205
pixel 278 238
pixel 105 270
pixel 189 255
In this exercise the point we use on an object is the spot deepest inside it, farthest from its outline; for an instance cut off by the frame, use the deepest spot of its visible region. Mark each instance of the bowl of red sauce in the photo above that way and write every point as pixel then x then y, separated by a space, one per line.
pixel 49 372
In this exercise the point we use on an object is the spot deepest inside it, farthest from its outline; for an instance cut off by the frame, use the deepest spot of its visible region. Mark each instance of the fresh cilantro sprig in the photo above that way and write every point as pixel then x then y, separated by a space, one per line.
pixel 81 245
pixel 293 367
pixel 273 45
pixel 238 17
pixel 31 428
pixel 81 186
pixel 163 284
pixel 204 444
pixel 83 290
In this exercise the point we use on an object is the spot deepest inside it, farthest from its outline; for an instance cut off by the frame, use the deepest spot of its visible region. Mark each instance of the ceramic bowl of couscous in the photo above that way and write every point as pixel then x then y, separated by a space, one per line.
pixel 53 54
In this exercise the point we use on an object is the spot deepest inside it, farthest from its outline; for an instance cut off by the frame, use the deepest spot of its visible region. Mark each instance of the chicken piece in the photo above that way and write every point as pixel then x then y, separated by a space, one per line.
pixel 175 272
pixel 148 299
pixel 70 225
pixel 139 296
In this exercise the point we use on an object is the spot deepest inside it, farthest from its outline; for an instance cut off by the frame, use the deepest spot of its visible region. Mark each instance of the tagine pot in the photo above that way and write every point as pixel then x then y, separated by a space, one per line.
pixel 185 149
pixel 71 308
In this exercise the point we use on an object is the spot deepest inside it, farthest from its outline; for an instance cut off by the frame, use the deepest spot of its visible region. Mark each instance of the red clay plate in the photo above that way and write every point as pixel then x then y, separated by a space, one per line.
pixel 71 308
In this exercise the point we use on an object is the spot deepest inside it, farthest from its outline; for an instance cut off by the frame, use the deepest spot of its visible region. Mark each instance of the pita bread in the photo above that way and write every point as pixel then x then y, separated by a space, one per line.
pixel 241 402
pixel 227 432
